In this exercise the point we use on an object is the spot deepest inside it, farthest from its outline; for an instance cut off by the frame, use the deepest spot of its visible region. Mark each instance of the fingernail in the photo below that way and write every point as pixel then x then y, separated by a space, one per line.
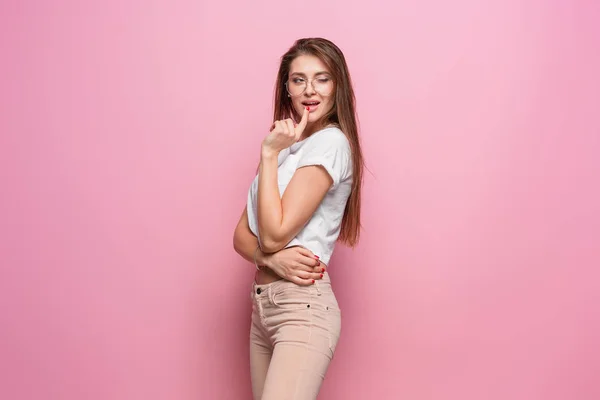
pixel 317 257
pixel 308 108
pixel 321 275
pixel 323 269
pixel 313 281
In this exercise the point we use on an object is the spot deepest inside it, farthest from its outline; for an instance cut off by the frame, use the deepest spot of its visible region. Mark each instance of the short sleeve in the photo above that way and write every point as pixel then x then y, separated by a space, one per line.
pixel 329 148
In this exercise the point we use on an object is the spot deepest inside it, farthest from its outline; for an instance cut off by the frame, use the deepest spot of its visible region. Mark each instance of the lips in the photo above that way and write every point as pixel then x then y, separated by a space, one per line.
pixel 312 105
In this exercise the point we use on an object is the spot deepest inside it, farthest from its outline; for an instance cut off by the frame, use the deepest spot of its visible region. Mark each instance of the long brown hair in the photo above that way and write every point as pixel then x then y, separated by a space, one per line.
pixel 342 114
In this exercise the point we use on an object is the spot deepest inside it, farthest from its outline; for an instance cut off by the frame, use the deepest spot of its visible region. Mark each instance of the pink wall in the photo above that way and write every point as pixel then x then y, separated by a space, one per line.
pixel 130 133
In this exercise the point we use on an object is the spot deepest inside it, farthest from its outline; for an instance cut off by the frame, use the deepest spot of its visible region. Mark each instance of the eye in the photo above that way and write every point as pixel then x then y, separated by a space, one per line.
pixel 323 80
pixel 298 80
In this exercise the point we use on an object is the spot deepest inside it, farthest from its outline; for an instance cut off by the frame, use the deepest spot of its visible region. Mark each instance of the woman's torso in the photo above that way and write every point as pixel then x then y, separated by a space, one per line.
pixel 321 230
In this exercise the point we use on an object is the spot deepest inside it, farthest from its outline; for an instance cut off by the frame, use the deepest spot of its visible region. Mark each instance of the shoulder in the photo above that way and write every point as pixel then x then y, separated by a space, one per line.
pixel 330 137
pixel 330 148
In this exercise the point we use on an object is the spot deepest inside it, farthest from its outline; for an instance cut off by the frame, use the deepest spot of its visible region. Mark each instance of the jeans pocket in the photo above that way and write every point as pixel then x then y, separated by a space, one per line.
pixel 328 301
pixel 328 316
pixel 293 298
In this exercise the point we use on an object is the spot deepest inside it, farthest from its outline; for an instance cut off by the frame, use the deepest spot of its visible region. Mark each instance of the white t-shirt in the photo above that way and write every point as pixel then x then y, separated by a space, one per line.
pixel 330 148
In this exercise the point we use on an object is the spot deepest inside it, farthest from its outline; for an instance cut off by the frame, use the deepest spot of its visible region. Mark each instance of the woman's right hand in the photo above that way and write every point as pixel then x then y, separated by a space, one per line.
pixel 295 264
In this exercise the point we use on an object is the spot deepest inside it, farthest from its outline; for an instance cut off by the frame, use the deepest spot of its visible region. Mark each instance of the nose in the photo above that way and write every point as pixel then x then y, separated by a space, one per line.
pixel 310 90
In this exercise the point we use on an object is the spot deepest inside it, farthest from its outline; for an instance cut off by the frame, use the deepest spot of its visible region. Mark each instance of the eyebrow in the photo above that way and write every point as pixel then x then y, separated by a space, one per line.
pixel 318 73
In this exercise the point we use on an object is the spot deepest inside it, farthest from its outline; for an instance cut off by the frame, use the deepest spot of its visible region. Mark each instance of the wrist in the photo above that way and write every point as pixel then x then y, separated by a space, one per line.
pixel 267 154
pixel 262 259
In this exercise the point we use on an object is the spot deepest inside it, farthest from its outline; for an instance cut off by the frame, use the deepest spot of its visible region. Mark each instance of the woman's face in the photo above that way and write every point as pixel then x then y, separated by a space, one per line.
pixel 310 84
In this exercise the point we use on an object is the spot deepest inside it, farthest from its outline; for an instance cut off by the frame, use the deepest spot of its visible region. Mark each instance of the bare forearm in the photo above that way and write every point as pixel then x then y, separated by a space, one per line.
pixel 270 212
pixel 245 244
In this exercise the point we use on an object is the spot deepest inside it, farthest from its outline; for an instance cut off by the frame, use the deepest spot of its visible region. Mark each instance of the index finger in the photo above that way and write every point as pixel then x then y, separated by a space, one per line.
pixel 303 122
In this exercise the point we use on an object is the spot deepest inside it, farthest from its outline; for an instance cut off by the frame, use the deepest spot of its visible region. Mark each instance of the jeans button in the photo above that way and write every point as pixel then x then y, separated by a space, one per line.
pixel 258 291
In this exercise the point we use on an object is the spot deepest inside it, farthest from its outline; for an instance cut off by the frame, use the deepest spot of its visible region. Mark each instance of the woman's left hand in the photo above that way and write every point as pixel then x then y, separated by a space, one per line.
pixel 283 134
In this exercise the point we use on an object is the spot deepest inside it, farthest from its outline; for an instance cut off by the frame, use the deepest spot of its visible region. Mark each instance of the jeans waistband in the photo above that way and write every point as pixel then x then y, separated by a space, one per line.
pixel 282 283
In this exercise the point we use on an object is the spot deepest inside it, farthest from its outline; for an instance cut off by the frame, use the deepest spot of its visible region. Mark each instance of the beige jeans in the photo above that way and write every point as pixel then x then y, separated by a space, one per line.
pixel 292 338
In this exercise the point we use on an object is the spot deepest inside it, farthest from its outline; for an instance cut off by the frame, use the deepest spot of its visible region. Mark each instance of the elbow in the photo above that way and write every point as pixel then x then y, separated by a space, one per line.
pixel 269 245
pixel 272 241
pixel 237 243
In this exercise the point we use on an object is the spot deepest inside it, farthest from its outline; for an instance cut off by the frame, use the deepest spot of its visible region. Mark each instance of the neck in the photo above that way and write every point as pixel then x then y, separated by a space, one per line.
pixel 311 128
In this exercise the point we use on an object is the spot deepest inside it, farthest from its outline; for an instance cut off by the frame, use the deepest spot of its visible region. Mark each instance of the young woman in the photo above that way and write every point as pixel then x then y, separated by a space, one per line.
pixel 305 197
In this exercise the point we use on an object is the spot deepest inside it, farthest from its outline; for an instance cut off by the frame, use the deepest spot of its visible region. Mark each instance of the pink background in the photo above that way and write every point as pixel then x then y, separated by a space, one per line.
pixel 130 133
